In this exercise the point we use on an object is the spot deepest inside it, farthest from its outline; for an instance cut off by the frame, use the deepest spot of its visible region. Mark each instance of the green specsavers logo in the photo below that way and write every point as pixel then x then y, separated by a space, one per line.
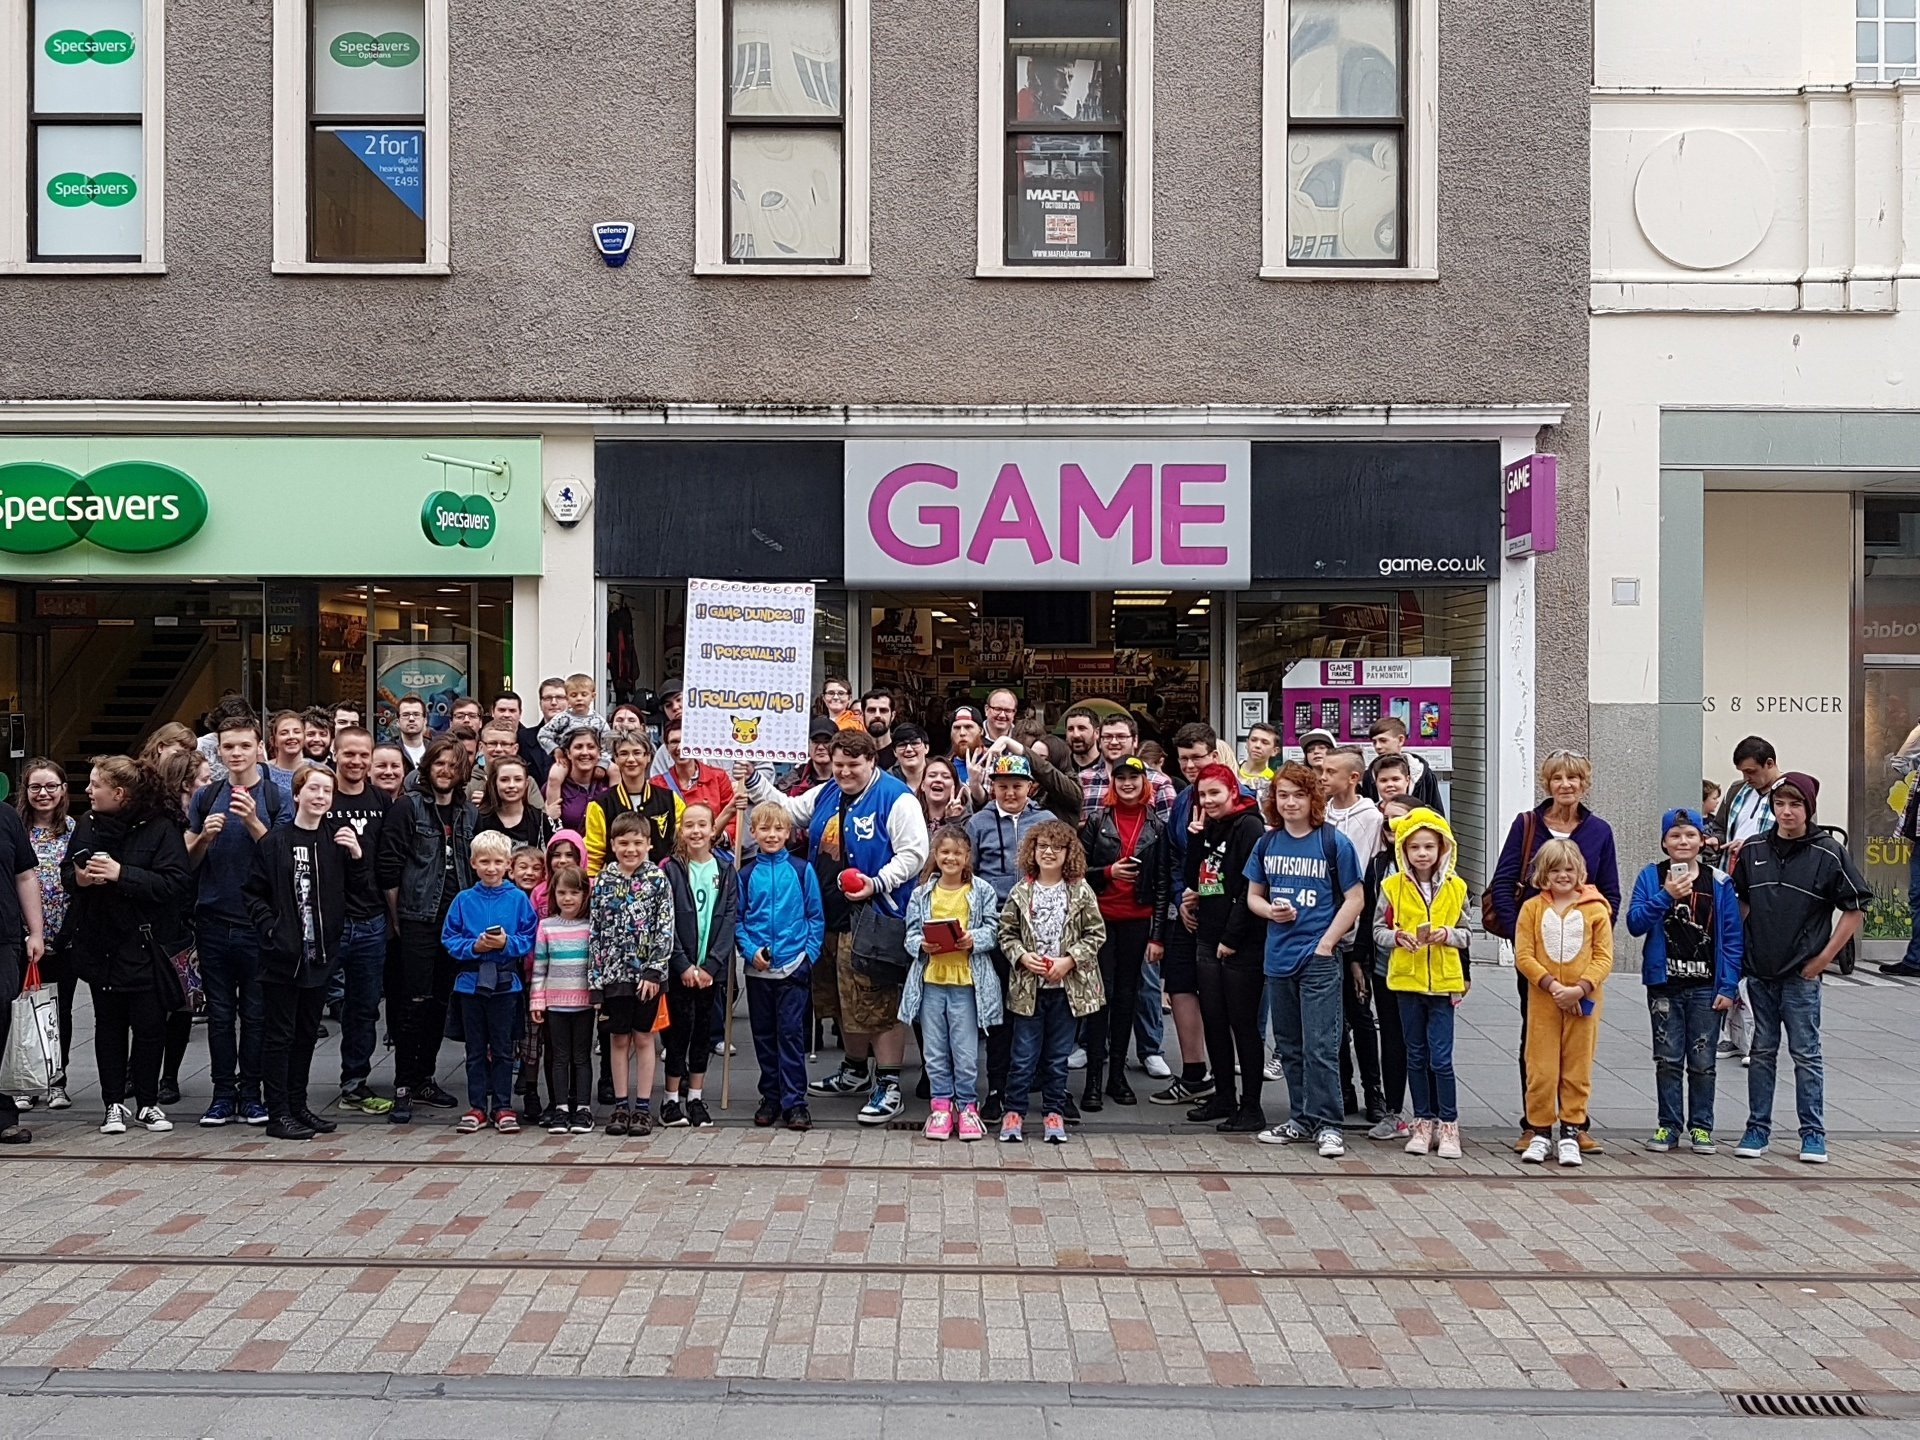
pixel 451 519
pixel 356 49
pixel 133 507
pixel 76 47
pixel 110 188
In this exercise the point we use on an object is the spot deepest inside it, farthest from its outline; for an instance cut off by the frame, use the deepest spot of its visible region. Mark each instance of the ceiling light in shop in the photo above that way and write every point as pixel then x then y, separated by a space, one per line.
pixel 452 589
pixel 1161 593
pixel 1137 602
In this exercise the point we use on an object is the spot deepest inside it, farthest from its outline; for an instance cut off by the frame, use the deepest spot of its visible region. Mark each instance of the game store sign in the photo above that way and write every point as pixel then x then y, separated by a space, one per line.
pixel 163 507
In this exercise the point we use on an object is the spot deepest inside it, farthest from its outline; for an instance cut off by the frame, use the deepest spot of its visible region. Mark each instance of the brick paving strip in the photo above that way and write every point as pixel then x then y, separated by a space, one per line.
pixel 873 1257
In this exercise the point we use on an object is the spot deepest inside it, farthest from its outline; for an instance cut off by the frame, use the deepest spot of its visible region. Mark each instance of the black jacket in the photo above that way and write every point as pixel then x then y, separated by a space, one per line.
pixel 275 912
pixel 103 933
pixel 686 924
pixel 412 855
pixel 1100 836
pixel 1224 918
pixel 1790 889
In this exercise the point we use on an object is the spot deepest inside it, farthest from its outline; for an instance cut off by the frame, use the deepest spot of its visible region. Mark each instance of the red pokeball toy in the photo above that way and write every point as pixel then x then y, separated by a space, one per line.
pixel 852 882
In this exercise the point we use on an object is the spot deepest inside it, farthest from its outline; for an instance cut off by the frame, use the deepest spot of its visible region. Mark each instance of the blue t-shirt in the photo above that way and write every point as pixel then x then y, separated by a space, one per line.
pixel 1295 870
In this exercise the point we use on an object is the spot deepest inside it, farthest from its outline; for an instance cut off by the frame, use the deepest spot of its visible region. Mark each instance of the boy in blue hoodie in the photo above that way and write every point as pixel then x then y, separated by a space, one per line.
pixel 489 932
pixel 1689 916
pixel 781 928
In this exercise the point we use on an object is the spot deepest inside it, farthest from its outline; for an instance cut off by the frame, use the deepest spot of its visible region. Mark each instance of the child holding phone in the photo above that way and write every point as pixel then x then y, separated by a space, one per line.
pixel 1419 924
pixel 951 988
pixel 489 932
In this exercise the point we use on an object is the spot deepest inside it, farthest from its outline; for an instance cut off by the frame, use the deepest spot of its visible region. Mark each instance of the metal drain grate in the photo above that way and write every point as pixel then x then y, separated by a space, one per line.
pixel 1800 1407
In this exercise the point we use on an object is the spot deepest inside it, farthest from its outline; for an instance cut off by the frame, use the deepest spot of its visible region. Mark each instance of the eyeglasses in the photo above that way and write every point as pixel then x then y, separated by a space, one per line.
pixel 1050 848
pixel 45 788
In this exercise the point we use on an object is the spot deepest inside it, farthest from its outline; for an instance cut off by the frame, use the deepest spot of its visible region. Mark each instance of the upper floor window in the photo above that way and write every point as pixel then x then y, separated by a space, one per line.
pixel 782 144
pixel 1884 45
pixel 1351 145
pixel 1066 136
pixel 82 144
pixel 361 105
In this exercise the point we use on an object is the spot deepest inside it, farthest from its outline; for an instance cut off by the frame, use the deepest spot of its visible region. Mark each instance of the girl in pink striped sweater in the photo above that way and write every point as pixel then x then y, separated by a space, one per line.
pixel 561 998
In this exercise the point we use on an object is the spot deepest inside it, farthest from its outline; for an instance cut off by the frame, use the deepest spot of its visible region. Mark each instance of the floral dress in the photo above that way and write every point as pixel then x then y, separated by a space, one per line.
pixel 50 848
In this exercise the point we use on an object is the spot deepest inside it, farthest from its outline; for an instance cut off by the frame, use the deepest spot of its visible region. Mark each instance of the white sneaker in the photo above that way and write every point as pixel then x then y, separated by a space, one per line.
pixel 1157 1067
pixel 884 1104
pixel 23 1102
pixel 1569 1152
pixel 1078 1059
pixel 1274 1070
pixel 1285 1133
pixel 57 1098
pixel 1420 1138
pixel 155 1119
pixel 1536 1151
pixel 1332 1144
pixel 117 1117
pixel 1448 1147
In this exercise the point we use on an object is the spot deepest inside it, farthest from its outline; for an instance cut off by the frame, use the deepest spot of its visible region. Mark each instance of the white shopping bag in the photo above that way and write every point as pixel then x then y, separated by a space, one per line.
pixel 32 1060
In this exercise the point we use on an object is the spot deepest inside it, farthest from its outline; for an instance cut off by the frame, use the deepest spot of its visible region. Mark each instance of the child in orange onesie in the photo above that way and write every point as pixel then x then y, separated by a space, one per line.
pixel 1563 944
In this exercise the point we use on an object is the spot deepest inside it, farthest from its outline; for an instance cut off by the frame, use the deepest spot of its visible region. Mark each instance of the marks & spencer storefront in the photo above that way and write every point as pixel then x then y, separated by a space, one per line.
pixel 147 576
pixel 1230 580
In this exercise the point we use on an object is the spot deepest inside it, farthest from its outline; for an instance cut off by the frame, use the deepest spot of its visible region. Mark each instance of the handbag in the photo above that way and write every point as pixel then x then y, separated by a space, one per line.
pixel 1490 917
pixel 879 945
pixel 186 964
pixel 32 1060
pixel 167 983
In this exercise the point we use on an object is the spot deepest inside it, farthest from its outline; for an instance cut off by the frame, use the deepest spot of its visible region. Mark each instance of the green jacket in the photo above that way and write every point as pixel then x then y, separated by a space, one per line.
pixel 1086 933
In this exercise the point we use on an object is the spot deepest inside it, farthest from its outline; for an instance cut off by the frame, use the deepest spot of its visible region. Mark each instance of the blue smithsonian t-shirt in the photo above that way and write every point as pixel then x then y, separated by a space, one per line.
pixel 1295 870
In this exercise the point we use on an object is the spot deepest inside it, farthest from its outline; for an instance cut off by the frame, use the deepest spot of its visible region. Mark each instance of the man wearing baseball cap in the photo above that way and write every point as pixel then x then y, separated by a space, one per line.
pixel 1790 880
pixel 966 729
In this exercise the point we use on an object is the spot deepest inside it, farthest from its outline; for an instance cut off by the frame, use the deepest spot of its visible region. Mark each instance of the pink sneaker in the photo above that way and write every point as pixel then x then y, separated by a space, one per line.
pixel 970 1126
pixel 940 1122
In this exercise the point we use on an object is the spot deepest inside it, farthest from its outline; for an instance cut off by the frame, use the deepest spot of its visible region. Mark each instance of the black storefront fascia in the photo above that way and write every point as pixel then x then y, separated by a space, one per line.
pixel 1357 511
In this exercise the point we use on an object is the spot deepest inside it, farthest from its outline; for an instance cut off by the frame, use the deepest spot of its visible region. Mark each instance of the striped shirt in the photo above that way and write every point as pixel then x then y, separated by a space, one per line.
pixel 560 965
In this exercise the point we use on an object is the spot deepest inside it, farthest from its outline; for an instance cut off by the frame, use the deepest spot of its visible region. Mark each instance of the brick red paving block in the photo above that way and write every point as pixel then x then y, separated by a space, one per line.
pixel 389 1174
pixel 1275 1225
pixel 470 1364
pixel 1749 1205
pixel 266 1305
pixel 789 1204
pixel 419 1235
pixel 75 1244
pixel 35 1318
pixel 1558 1261
pixel 1440 1249
pixel 959 1247
pixel 253 1250
pixel 671 1310
pixel 1478 1295
pixel 850 1242
pixel 1589 1372
pixel 522 1200
pixel 829 1367
pixel 1214 1185
pixel 879 1304
pixel 1418 1321
pixel 183 1306
pixel 1333 1260
pixel 1355 1352
pixel 1231 1369
pixel 1164 1215
pixel 575 1176
pixel 363 1222
pixel 1222 1260
pixel 372 1280
pixel 1851 1224
pixel 1026 1215
pixel 1894 1342
pixel 1357 1203
pixel 961 1334
pixel 118 1197
pixel 1236 1290
pixel 538 1327
pixel 1706 1264
pixel 990 1189
pixel 138 1278
pixel 693 1362
pixel 1853 1373
pixel 403 1338
pixel 1699 1315
pixel 1576 1197
pixel 1486 1230
pixel 476 1299
pixel 257 1355
pixel 1134 1335
pixel 889 1214
pixel 1745 1242
pixel 744 1230
pixel 601 1228
pixel 602 1284
pixel 462 1225
pixel 306 1189
pixel 84 1352
pixel 436 1190
pixel 1699 1353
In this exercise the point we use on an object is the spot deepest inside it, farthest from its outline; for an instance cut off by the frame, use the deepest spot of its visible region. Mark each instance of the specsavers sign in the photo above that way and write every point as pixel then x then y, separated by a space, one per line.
pixel 163 507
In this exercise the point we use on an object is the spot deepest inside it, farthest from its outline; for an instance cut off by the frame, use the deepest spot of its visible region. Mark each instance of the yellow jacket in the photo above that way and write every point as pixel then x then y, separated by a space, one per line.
pixel 1589 966
pixel 1437 968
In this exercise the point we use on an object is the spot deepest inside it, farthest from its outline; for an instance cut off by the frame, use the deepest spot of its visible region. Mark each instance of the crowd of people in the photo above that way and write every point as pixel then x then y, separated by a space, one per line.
pixel 1026 904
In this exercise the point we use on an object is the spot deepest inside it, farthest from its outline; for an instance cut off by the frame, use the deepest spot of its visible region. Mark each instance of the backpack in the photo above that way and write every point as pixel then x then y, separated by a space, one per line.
pixel 269 810
pixel 1489 917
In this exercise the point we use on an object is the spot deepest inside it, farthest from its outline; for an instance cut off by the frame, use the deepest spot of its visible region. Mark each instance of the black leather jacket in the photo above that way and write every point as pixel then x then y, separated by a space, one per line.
pixel 1100 836
pixel 413 854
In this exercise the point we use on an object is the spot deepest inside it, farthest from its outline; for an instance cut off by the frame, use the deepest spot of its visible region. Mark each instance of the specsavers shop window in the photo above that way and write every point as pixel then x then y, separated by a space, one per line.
pixel 1340 661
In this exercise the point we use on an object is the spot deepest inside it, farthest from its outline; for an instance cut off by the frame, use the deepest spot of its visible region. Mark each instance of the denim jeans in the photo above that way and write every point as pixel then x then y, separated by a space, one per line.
pixel 1792 1003
pixel 1309 1014
pixel 1042 1042
pixel 489 1025
pixel 236 1005
pixel 1426 1024
pixel 950 1042
pixel 1912 957
pixel 1686 1029
pixel 1149 1020
pixel 363 970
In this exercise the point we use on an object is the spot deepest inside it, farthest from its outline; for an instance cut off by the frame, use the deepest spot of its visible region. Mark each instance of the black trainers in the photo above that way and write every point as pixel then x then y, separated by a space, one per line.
pixel 1182 1093
pixel 1212 1109
pixel 672 1117
pixel 319 1124
pixel 580 1121
pixel 768 1114
pixel 559 1120
pixel 698 1116
pixel 993 1108
pixel 402 1111
pixel 605 1092
pixel 431 1094
pixel 288 1127
pixel 799 1118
